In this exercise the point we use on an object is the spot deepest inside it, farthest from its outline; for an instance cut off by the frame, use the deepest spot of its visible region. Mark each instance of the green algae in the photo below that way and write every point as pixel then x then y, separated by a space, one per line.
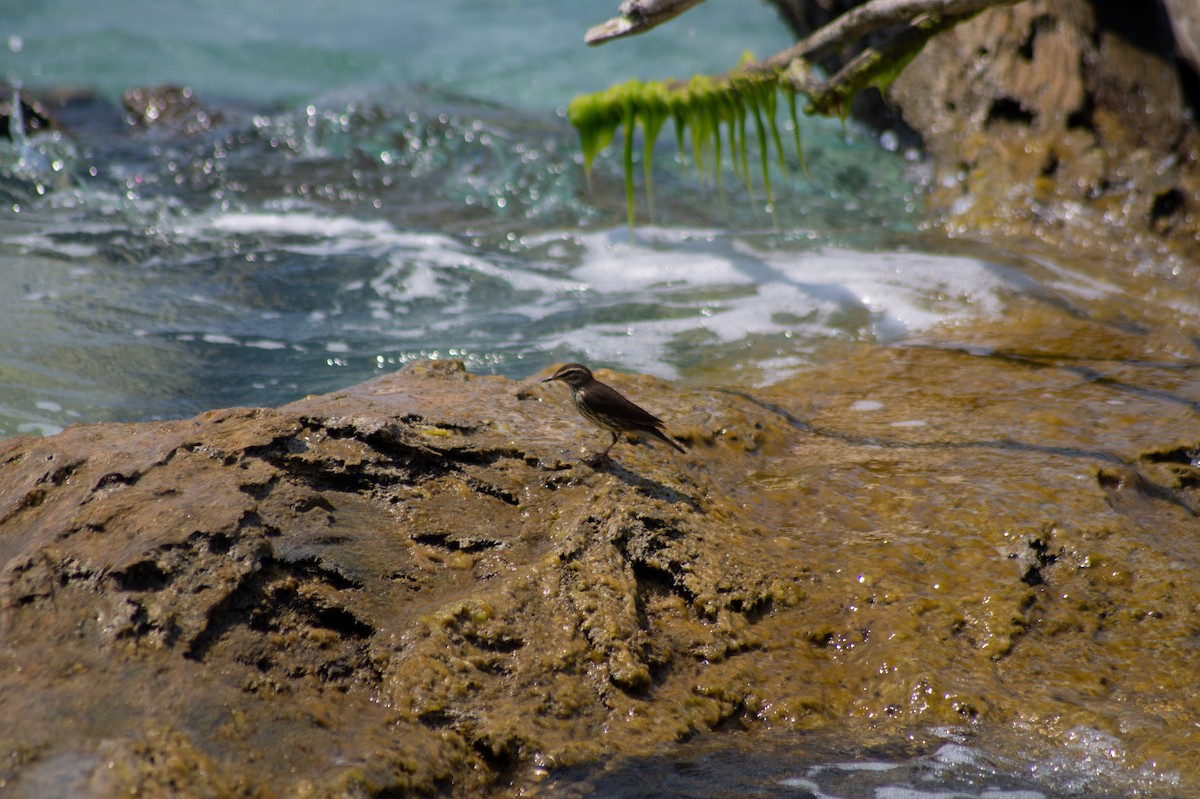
pixel 701 109
pixel 703 105
pixel 789 94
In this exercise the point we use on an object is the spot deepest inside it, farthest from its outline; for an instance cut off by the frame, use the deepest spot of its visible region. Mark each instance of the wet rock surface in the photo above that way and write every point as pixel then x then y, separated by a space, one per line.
pixel 1066 122
pixel 416 584
pixel 172 107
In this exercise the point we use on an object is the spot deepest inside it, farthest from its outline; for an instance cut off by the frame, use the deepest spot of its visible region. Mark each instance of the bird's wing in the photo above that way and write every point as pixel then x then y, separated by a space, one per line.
pixel 636 414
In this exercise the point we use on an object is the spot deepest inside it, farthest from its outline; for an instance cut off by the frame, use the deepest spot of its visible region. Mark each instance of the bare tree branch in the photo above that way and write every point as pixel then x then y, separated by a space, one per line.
pixel 871 66
pixel 637 16
pixel 873 16
pixel 914 21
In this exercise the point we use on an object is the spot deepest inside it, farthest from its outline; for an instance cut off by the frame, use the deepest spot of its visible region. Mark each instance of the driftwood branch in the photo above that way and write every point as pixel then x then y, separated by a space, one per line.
pixel 910 24
pixel 638 16
pixel 872 66
pixel 870 17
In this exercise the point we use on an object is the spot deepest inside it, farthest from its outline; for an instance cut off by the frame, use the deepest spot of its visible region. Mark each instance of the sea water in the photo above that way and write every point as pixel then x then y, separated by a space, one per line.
pixel 394 181
pixel 939 763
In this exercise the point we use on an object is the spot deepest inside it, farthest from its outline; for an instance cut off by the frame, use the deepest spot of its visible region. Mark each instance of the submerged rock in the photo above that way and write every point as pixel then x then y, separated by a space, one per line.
pixel 416 585
pixel 172 107
pixel 33 116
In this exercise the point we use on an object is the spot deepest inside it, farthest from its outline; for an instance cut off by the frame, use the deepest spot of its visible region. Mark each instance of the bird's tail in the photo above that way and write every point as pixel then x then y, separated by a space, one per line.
pixel 664 437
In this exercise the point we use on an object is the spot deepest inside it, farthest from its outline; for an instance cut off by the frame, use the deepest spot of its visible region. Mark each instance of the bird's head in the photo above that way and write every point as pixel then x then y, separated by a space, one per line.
pixel 574 375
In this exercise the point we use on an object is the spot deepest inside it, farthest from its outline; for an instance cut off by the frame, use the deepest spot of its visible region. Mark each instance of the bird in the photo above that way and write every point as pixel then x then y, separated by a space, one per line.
pixel 608 409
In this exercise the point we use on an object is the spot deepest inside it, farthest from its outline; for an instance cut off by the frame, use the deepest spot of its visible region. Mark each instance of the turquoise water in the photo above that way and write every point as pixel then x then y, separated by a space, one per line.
pixel 395 181
pixel 529 54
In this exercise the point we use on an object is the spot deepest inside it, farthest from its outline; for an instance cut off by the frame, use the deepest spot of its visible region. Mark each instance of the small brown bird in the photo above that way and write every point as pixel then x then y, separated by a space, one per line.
pixel 607 408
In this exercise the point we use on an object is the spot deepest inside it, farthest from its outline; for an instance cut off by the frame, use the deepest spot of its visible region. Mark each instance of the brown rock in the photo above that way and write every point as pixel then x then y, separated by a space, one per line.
pixel 173 108
pixel 414 584
pixel 1064 121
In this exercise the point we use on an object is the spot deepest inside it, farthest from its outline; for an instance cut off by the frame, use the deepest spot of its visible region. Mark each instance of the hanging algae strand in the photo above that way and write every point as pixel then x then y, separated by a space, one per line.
pixel 653 117
pixel 700 106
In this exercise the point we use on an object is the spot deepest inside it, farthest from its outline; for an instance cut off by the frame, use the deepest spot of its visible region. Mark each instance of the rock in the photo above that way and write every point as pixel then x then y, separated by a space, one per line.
pixel 415 584
pixel 1064 121
pixel 34 115
pixel 169 107
pixel 1184 18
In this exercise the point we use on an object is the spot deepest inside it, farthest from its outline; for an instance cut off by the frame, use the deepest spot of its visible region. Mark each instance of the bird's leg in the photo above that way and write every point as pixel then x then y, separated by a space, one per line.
pixel 601 457
pixel 604 455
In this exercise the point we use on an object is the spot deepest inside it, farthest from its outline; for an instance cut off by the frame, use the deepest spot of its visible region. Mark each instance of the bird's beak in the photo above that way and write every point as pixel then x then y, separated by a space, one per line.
pixel 547 380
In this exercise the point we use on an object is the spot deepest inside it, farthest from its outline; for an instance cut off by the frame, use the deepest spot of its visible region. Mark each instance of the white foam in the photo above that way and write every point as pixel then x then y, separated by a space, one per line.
pixel 33 242
pixel 956 755
pixel 421 265
pixel 865 765
pixel 695 286
pixel 904 792
pixel 266 344
pixel 1071 281
pixel 739 290
pixel 800 783
pixel 327 228
pixel 44 429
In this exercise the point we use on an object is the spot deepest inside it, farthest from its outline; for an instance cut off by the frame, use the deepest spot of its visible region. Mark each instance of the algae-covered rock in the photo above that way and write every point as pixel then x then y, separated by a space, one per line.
pixel 417 584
